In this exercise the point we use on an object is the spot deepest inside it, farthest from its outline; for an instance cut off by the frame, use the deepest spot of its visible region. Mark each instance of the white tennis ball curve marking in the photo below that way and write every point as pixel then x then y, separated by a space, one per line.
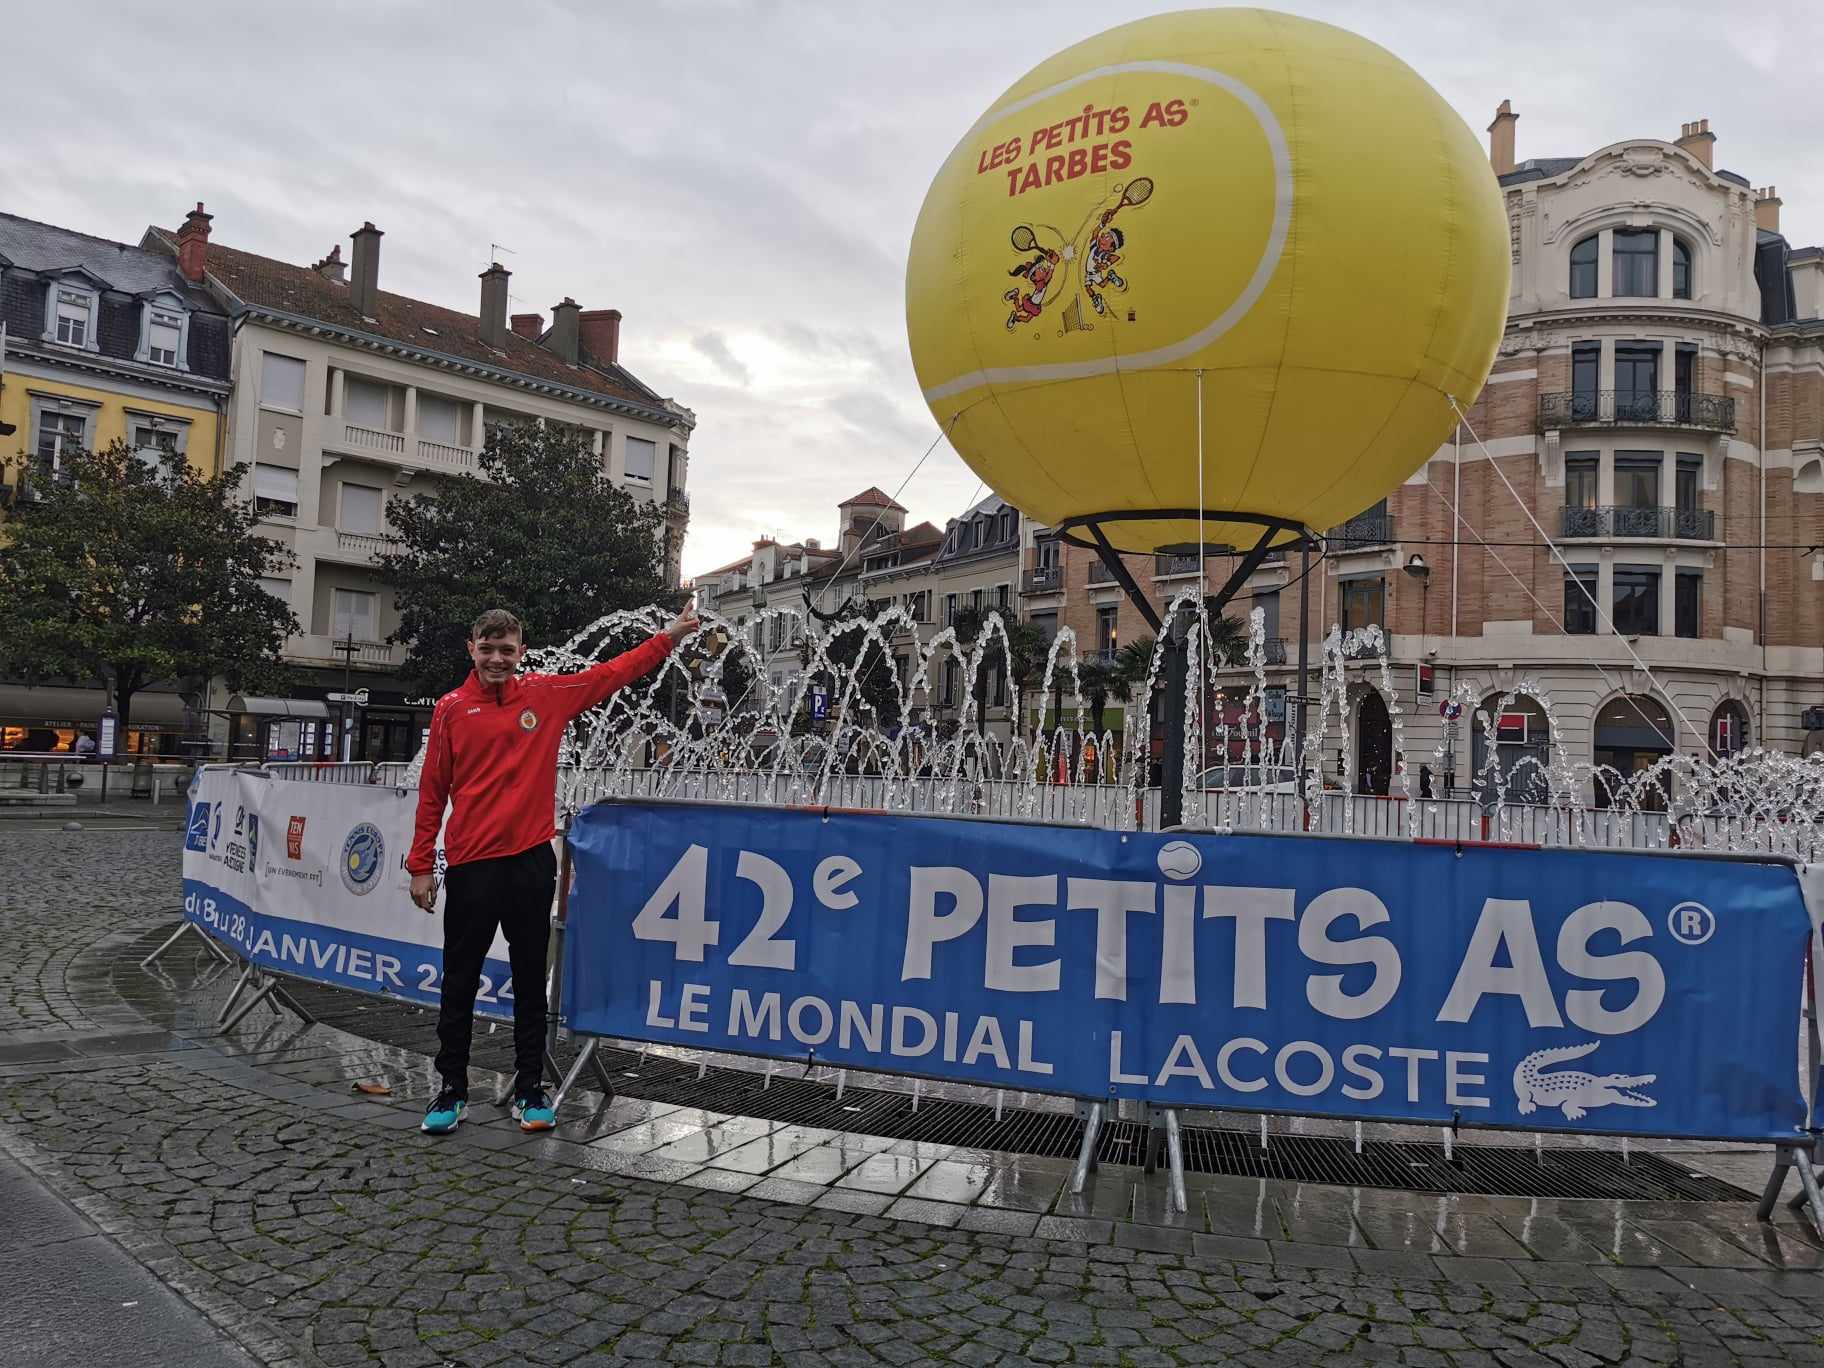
pixel 1179 860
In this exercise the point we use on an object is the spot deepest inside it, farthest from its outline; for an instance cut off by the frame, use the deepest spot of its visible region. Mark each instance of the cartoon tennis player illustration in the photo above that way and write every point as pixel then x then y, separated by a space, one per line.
pixel 1082 266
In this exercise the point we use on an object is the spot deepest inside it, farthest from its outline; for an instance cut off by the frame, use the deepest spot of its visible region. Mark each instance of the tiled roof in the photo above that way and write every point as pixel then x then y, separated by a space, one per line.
pixel 872 497
pixel 262 282
pixel 31 255
pixel 41 247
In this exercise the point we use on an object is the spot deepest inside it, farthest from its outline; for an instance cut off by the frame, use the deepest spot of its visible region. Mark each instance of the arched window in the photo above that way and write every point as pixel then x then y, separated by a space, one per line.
pixel 1681 270
pixel 1728 729
pixel 1636 262
pixel 1523 748
pixel 1632 732
pixel 1583 268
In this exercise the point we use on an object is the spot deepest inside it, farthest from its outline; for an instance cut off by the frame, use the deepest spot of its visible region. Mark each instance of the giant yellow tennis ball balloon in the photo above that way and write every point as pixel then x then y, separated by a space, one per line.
pixel 1273 204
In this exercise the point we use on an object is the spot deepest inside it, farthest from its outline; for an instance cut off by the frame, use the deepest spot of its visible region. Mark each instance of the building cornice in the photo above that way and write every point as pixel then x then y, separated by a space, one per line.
pixel 1730 334
pixel 477 370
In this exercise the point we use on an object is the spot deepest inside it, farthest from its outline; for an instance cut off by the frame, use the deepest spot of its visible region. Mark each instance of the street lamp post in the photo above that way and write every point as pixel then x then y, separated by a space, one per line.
pixel 346 649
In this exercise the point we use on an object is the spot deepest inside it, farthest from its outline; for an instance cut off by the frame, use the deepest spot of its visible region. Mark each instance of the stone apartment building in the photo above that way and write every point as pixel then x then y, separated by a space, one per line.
pixel 1657 412
pixel 346 396
pixel 100 342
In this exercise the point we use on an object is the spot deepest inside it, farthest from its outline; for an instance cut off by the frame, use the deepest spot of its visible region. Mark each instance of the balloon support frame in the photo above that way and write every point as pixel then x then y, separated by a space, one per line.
pixel 1073 530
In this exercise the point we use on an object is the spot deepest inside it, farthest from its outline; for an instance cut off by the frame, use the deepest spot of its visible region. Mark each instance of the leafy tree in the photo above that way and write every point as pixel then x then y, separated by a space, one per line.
pixel 855 656
pixel 541 531
pixel 131 573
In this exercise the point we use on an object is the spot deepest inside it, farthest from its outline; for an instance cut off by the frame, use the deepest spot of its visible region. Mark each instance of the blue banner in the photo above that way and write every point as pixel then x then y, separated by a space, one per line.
pixel 1592 991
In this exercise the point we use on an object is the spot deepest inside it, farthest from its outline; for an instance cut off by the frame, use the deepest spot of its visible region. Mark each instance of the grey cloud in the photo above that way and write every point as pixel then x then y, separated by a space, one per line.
pixel 714 347
pixel 721 169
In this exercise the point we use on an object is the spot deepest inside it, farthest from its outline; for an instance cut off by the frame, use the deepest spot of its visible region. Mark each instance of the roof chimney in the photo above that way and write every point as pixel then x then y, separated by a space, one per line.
pixel 1767 209
pixel 563 329
pixel 600 332
pixel 1501 139
pixel 529 326
pixel 331 267
pixel 364 284
pixel 193 245
pixel 1697 139
pixel 494 306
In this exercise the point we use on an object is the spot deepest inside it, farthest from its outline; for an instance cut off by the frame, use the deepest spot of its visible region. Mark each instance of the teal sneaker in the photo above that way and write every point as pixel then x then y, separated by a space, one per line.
pixel 445 1113
pixel 533 1111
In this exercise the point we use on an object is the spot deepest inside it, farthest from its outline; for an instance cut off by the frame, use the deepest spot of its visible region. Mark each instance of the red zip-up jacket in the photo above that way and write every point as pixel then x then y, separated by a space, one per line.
pixel 492 753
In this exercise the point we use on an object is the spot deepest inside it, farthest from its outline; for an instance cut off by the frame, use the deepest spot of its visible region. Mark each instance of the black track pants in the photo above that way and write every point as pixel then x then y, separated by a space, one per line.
pixel 513 893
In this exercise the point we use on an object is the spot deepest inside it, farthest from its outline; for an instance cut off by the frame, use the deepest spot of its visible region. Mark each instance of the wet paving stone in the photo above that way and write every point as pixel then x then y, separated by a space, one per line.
pixel 320 1228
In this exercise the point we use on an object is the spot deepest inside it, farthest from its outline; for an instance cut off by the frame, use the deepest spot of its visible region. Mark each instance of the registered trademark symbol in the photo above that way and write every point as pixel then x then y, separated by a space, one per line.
pixel 1691 923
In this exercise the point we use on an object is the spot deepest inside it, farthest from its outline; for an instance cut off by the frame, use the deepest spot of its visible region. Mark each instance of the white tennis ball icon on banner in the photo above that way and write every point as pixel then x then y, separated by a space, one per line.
pixel 1179 860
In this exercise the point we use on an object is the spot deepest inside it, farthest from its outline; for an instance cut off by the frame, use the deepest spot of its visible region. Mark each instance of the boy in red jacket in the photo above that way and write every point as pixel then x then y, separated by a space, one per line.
pixel 492 754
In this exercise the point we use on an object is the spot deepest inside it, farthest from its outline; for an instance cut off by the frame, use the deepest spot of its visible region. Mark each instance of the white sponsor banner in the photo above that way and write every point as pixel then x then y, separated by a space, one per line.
pixel 310 880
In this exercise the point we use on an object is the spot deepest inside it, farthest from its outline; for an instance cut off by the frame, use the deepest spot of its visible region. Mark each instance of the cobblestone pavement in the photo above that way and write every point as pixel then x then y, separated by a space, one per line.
pixel 321 1230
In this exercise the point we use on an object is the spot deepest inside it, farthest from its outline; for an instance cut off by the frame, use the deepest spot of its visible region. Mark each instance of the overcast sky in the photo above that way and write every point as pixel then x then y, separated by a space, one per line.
pixel 741 179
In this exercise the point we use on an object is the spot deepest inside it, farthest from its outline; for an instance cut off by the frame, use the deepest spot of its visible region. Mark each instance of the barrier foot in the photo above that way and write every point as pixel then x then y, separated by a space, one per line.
pixel 584 1059
pixel 267 990
pixel 1770 1195
pixel 177 935
pixel 603 1077
pixel 1086 1156
pixel 234 995
pixel 1801 1160
pixel 1174 1155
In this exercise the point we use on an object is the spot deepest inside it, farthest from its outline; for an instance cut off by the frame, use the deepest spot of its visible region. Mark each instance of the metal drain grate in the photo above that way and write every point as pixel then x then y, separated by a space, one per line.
pixel 1476 1168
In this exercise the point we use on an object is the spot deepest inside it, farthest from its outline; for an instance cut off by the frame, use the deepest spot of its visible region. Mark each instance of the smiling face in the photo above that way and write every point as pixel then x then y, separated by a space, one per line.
pixel 496 657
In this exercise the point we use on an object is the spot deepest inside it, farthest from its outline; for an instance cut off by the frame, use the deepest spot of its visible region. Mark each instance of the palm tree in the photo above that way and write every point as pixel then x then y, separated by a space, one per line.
pixel 1095 680
pixel 1021 656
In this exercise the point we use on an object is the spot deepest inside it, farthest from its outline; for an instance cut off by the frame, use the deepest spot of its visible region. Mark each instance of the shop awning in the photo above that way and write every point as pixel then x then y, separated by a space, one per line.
pixel 277 707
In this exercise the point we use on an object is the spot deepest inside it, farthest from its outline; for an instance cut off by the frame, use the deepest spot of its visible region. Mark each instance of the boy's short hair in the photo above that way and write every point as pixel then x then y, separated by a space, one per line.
pixel 496 622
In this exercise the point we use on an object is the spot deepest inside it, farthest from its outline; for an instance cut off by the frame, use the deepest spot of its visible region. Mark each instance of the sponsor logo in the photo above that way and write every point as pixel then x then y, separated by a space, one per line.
pixel 215 831
pixel 253 839
pixel 197 837
pixel 1179 859
pixel 528 720
pixel 294 838
pixel 1574 1090
pixel 363 857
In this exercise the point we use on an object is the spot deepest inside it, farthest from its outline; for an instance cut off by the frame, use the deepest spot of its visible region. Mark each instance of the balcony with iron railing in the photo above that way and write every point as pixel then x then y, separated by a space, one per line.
pixel 1636 408
pixel 1043 579
pixel 1649 522
pixel 1362 648
pixel 1359 533
pixel 1100 573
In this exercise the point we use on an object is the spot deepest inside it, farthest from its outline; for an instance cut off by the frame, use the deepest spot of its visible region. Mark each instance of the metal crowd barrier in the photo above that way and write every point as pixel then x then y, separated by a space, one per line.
pixel 1118 808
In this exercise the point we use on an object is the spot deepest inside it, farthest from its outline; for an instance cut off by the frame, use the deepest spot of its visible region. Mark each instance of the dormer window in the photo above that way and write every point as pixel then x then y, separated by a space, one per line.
pixel 162 337
pixel 164 327
pixel 73 318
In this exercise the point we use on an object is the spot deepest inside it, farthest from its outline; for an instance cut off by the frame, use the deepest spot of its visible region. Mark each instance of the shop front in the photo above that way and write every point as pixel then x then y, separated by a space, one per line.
pixel 375 723
pixel 49 719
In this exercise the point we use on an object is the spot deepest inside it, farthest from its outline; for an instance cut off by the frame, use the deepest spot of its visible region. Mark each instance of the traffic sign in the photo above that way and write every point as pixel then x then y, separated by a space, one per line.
pixel 358 698
pixel 820 704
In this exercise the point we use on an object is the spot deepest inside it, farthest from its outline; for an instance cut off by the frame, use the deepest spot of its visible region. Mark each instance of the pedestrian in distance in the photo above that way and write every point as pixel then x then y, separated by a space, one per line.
pixel 492 754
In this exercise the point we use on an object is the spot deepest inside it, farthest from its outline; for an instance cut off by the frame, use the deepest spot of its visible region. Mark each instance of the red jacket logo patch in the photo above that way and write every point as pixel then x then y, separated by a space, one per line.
pixel 528 719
